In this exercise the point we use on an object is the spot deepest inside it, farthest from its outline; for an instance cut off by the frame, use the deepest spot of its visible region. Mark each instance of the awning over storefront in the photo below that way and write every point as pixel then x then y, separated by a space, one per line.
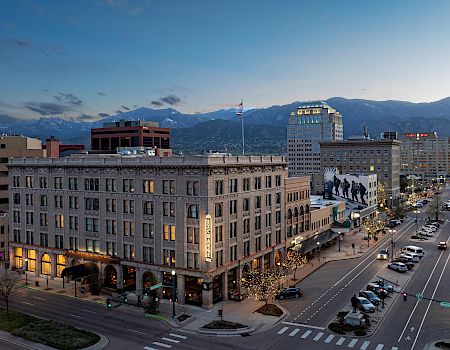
pixel 79 271
pixel 311 243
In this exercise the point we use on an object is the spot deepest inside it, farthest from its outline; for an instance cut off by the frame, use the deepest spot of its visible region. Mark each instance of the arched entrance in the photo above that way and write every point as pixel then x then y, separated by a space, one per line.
pixel 148 279
pixel 278 257
pixel 46 265
pixel 110 274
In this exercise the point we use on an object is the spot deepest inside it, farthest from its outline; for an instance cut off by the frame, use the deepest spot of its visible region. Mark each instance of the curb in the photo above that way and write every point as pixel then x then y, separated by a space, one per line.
pixel 224 332
pixel 101 344
pixel 431 345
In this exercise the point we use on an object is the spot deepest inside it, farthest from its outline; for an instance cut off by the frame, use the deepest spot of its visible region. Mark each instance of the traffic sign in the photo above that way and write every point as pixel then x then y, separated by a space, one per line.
pixel 444 304
pixel 419 296
pixel 156 286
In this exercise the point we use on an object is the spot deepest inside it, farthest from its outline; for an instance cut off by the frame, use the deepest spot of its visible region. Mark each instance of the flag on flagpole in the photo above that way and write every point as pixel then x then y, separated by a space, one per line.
pixel 240 109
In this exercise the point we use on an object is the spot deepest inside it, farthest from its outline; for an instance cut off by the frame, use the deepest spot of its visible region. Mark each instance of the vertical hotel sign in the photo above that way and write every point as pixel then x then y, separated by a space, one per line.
pixel 208 253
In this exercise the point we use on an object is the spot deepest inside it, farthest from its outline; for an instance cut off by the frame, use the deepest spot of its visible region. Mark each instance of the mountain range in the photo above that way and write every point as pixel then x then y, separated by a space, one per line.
pixel 265 128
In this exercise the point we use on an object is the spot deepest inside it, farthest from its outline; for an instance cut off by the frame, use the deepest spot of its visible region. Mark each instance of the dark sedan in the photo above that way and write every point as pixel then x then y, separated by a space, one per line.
pixel 289 293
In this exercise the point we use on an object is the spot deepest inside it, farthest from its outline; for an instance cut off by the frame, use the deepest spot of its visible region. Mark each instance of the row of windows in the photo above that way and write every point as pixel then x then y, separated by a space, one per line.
pixel 246 184
pixel 233 204
pixel 93 184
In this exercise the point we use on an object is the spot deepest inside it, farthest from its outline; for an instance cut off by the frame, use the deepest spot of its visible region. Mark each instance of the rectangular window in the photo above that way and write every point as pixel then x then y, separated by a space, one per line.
pixel 219 258
pixel 169 232
pixel 278 180
pixel 73 243
pixel 148 230
pixel 58 201
pixel 268 181
pixel 73 183
pixel 16 233
pixel 73 223
pixel 111 227
pixel 59 241
pixel 192 188
pixel 128 251
pixel 148 254
pixel 218 233
pixel 29 199
pixel 73 202
pixel 29 237
pixel 43 219
pixel 58 182
pixel 257 183
pixel 128 228
pixel 111 248
pixel 43 182
pixel 111 185
pixel 246 184
pixel 29 181
pixel 111 205
pixel 258 243
pixel 128 206
pixel 169 257
pixel 246 226
pixel 246 204
pixel 219 187
pixel 258 202
pixel 233 229
pixel 233 206
pixel 128 185
pixel 233 253
pixel 16 181
pixel 193 235
pixel 233 185
pixel 258 222
pixel 268 219
pixel 278 198
pixel 91 224
pixel 246 248
pixel 169 186
pixel 44 239
pixel 268 200
pixel 169 209
pixel 16 217
pixel 218 210
pixel 278 236
pixel 29 218
pixel 278 217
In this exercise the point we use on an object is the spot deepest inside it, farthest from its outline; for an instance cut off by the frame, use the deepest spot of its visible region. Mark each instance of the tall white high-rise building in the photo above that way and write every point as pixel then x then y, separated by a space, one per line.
pixel 312 123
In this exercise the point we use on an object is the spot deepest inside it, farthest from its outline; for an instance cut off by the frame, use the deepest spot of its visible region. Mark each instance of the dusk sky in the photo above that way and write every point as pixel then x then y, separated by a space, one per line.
pixel 90 58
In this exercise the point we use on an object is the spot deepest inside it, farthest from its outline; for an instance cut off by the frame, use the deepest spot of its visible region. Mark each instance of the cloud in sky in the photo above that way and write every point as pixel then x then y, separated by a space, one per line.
pixel 171 100
pixel 86 117
pixel 103 115
pixel 68 98
pixel 125 108
pixel 101 93
pixel 157 103
pixel 47 108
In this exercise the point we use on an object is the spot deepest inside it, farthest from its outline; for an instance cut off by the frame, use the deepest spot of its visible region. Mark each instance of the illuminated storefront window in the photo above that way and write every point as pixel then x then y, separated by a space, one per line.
pixel 31 263
pixel 18 262
pixel 60 264
pixel 46 264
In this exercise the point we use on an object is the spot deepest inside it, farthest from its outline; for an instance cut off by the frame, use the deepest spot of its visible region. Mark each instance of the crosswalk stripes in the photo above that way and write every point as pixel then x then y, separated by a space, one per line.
pixel 365 345
pixel 352 343
pixel 294 332
pixel 166 342
pixel 340 341
pixel 306 334
pixel 318 336
pixel 330 339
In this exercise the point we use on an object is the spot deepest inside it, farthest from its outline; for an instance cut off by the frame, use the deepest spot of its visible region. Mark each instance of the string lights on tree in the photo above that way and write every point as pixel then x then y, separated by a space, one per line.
pixel 262 285
pixel 294 260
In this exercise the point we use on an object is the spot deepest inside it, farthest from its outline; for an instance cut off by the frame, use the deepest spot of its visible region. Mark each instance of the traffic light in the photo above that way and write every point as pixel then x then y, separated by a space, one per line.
pixel 405 296
pixel 382 293
pixel 108 304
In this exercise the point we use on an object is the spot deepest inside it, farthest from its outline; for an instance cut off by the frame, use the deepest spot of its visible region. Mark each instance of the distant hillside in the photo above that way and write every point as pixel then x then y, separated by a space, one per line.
pixel 266 128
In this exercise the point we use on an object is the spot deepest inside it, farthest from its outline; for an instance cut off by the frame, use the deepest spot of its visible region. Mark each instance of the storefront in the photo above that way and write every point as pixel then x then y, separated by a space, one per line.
pixel 60 264
pixel 217 288
pixel 31 262
pixel 110 277
pixel 46 265
pixel 167 281
pixel 18 258
pixel 129 278
pixel 193 290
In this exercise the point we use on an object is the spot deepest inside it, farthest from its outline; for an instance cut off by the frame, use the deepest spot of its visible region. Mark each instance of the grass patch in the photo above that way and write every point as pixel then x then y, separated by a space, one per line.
pixel 224 325
pixel 443 345
pixel 51 333
pixel 270 310
pixel 341 328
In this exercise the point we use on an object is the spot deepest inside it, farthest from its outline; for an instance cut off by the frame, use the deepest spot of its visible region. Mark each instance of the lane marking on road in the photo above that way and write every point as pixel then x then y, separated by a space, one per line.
pixel 39 298
pixel 330 338
pixel 299 325
pixel 429 303
pixel 423 290
pixel 352 343
pixel 340 341
pixel 177 336
pixel 379 347
pixel 132 330
pixel 162 344
pixel 77 316
pixel 365 345
pixel 170 340
pixel 89 311
pixel 24 302
pixel 306 334
pixel 149 348
pixel 282 330
pixel 318 336
pixel 394 348
pixel 294 332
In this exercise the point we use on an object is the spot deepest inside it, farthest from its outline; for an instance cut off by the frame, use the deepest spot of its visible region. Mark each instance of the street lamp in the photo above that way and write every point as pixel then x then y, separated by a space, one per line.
pixel 339 241
pixel 417 211
pixel 174 292
pixel 278 273
pixel 318 250
pixel 26 269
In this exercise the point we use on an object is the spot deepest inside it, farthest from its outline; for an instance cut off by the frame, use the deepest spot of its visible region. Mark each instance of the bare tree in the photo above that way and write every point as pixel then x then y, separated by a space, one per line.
pixel 262 285
pixel 9 287
pixel 294 260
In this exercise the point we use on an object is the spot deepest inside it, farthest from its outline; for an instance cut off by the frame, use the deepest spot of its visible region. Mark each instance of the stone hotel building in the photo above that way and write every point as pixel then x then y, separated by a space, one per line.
pixel 137 218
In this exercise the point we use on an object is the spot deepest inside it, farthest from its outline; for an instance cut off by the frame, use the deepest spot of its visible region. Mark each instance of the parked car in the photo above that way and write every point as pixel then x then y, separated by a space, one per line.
pixel 395 222
pixel 435 223
pixel 418 205
pixel 430 227
pixel 371 296
pixel 383 254
pixel 386 286
pixel 398 266
pixel 424 233
pixel 405 261
pixel 378 290
pixel 414 249
pixel 442 245
pixel 289 293
pixel 365 305
pixel 414 257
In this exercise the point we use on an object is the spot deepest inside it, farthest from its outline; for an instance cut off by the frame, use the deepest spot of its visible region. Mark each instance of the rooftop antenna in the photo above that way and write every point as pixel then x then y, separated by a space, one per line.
pixel 239 111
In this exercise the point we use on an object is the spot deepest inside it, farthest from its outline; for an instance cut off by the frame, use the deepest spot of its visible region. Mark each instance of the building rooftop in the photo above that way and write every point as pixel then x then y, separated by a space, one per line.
pixel 314 104
pixel 145 160
pixel 318 202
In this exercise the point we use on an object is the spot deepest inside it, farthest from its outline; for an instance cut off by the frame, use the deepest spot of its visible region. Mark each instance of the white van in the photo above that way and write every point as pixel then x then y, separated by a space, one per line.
pixel 413 249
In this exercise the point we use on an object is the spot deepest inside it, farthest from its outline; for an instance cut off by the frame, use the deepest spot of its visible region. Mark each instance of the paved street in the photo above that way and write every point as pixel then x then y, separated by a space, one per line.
pixel 407 325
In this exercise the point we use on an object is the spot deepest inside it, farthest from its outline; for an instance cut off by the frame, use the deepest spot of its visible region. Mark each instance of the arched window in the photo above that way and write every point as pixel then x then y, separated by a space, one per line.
pixel 148 186
pixel 88 204
pixel 95 204
pixel 193 211
pixel 289 214
pixel 296 212
pixel 302 211
pixel 307 209
pixel 44 200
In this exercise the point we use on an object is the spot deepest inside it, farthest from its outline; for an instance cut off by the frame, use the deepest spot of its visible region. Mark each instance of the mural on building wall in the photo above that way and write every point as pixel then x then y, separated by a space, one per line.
pixel 350 187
